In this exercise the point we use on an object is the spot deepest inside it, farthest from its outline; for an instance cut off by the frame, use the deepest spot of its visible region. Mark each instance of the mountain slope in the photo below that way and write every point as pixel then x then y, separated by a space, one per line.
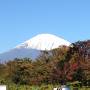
pixel 19 53
pixel 32 48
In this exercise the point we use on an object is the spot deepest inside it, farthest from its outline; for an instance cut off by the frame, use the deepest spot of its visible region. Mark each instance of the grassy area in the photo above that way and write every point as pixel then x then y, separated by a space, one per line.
pixel 42 87
pixel 84 88
pixel 25 87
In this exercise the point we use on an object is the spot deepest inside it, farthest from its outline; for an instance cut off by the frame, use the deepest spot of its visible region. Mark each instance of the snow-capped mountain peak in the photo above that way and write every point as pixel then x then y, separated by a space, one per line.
pixel 32 48
pixel 44 42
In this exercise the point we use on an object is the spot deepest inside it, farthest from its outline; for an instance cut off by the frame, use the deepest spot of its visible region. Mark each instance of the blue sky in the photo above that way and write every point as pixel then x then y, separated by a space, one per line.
pixel 23 19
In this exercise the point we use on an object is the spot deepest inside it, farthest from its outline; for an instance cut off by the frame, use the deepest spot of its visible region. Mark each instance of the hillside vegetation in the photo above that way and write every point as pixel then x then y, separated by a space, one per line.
pixel 59 66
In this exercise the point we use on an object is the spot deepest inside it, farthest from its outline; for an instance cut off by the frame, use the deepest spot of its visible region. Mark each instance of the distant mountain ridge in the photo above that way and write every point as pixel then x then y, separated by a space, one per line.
pixel 32 47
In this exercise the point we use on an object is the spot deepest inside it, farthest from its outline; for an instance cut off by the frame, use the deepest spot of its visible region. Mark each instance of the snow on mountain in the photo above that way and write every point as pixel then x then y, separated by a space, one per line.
pixel 33 47
pixel 44 42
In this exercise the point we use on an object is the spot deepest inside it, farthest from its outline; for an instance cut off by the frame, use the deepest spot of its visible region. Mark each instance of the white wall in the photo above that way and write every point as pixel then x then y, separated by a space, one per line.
pixel 2 87
pixel 55 89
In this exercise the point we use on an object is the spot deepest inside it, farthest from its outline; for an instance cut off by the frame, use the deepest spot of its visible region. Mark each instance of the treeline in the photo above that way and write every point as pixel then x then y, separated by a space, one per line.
pixel 59 66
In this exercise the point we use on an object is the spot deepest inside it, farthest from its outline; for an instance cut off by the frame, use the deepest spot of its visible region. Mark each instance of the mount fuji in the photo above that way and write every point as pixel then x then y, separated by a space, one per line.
pixel 33 47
